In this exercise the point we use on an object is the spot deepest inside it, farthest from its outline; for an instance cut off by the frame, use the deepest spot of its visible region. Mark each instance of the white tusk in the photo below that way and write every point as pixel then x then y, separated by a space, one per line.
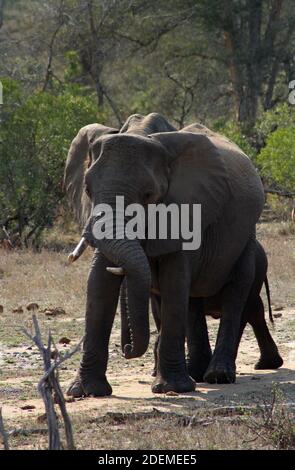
pixel 78 251
pixel 116 271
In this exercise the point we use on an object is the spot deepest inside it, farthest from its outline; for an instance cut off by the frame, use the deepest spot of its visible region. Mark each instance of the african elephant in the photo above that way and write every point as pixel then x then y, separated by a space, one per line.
pixel 147 166
pixel 199 349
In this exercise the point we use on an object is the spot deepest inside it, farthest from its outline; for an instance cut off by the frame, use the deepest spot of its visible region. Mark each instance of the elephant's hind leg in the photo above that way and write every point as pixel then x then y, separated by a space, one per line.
pixel 222 368
pixel 199 350
pixel 269 354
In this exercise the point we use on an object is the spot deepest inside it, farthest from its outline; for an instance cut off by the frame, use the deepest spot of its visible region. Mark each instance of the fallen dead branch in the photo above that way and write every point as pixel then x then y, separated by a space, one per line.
pixel 282 193
pixel 49 387
pixel 181 419
pixel 27 432
pixel 229 414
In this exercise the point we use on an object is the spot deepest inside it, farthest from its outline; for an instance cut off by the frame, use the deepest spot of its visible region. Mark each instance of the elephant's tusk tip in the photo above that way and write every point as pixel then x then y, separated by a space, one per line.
pixel 78 251
pixel 116 271
pixel 71 258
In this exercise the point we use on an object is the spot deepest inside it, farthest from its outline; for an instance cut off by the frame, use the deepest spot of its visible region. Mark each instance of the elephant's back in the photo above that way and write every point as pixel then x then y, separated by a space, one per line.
pixel 247 193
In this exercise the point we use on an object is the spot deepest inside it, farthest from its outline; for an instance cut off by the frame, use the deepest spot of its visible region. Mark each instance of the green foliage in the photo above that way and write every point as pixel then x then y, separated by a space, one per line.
pixel 277 158
pixel 35 135
pixel 73 68
pixel 233 132
pixel 282 116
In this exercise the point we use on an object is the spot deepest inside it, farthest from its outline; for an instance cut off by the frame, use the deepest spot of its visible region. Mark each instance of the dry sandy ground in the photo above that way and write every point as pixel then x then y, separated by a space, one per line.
pixel 131 382
pixel 45 278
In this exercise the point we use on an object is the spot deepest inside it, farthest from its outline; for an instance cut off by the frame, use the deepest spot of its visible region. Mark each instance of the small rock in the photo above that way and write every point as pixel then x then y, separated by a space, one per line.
pixel 32 306
pixel 277 309
pixel 64 340
pixel 18 310
pixel 171 394
pixel 1 309
pixel 28 407
pixel 277 315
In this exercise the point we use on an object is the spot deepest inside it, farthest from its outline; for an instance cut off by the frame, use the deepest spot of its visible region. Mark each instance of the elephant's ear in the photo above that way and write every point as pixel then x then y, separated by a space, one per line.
pixel 78 160
pixel 198 175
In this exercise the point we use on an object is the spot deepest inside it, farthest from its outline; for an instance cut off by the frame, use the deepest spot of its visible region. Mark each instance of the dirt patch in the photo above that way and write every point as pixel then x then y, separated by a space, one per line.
pixel 45 278
pixel 132 385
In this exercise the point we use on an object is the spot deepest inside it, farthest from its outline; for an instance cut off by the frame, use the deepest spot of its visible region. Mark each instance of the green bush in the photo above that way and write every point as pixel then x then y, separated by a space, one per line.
pixel 282 116
pixel 276 160
pixel 35 134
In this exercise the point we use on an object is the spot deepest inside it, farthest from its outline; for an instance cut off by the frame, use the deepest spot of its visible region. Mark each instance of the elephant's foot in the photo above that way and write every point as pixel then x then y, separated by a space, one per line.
pixel 197 373
pixel 220 372
pixel 269 362
pixel 89 386
pixel 197 367
pixel 182 385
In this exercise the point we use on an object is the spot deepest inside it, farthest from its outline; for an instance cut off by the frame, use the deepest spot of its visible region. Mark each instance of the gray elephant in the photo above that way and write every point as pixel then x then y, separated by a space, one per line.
pixel 148 165
pixel 199 349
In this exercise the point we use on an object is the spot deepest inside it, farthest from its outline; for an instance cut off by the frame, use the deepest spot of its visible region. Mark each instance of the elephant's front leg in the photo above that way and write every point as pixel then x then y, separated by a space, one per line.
pixel 156 311
pixel 199 350
pixel 172 374
pixel 102 298
pixel 222 368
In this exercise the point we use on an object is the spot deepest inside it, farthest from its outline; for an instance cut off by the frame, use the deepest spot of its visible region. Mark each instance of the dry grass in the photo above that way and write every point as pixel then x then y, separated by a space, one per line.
pixel 280 249
pixel 46 279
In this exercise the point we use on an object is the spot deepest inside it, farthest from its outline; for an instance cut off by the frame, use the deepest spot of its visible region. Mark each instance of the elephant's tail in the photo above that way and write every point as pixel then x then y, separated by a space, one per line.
pixel 268 299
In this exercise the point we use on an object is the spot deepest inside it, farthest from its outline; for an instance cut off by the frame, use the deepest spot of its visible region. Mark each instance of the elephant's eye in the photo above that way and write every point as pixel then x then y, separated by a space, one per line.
pixel 148 196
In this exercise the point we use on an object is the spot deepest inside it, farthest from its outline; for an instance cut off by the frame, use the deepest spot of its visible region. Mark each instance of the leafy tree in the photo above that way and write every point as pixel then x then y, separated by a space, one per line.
pixel 35 135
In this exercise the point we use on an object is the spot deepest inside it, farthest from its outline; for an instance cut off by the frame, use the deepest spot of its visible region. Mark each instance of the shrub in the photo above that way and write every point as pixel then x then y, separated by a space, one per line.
pixel 277 159
pixel 36 131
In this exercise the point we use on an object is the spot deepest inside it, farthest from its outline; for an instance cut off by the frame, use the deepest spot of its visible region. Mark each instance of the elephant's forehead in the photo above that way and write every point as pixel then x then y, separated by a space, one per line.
pixel 130 146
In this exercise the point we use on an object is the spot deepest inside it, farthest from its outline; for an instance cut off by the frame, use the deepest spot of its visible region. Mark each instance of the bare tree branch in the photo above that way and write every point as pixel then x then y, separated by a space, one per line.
pixel 188 96
pixel 3 433
pixel 49 383
pixel 282 193
pixel 61 22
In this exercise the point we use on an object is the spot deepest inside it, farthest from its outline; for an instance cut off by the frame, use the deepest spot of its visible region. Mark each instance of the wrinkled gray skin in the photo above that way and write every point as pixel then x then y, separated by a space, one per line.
pixel 147 165
pixel 199 350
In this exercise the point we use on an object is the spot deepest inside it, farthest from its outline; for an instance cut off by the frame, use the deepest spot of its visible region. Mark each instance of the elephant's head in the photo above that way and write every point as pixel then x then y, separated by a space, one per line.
pixel 136 168
pixel 144 169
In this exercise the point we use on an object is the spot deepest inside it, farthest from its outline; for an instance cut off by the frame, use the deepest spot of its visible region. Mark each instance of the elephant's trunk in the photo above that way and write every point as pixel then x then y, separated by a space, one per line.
pixel 129 255
pixel 124 307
